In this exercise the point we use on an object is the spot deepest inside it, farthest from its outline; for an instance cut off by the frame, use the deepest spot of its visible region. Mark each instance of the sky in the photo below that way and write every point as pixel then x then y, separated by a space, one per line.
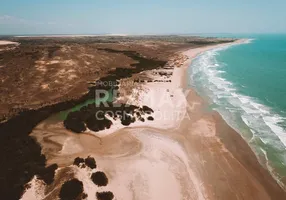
pixel 141 17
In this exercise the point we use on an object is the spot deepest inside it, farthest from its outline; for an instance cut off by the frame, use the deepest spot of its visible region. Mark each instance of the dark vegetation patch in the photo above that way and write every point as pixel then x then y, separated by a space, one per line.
pixel 94 118
pixel 104 195
pixel 99 178
pixel 84 196
pixel 208 42
pixel 162 81
pixel 77 161
pixel 71 190
pixel 164 74
pixel 90 162
pixel 150 118
pixel 146 109
pixel 47 174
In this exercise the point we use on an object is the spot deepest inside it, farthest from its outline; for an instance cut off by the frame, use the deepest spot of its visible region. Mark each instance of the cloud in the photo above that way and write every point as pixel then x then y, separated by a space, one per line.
pixel 7 19
pixel 12 20
pixel 51 23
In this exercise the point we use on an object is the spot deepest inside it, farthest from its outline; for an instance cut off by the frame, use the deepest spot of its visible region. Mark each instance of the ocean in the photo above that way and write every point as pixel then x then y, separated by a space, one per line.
pixel 246 84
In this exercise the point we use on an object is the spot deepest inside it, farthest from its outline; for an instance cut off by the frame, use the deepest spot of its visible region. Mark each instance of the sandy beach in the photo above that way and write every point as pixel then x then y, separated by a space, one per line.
pixel 186 152
pixel 227 166
pixel 5 42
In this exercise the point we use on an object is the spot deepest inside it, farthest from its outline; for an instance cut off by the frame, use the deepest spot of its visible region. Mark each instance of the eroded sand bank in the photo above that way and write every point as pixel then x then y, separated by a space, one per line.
pixel 194 155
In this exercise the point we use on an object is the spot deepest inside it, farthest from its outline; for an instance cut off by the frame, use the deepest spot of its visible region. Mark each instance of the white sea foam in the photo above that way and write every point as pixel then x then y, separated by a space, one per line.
pixel 263 123
pixel 262 120
pixel 244 119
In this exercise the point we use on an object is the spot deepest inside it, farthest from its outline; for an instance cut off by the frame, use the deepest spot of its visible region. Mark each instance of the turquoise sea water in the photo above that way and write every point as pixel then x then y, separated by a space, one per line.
pixel 246 84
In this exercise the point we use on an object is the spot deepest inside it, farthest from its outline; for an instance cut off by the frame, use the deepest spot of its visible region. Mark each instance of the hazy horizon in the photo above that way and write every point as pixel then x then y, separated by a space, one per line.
pixel 139 18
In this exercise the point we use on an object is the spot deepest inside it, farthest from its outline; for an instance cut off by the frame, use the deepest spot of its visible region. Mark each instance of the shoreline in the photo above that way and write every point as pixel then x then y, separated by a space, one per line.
pixel 232 143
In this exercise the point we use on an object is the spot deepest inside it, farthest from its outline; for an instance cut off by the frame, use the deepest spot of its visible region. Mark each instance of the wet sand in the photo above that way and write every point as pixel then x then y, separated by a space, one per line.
pixel 225 163
pixel 195 155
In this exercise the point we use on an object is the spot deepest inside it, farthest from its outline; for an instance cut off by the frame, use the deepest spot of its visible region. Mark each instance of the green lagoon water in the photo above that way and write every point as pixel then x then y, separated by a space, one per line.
pixel 246 84
pixel 63 114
